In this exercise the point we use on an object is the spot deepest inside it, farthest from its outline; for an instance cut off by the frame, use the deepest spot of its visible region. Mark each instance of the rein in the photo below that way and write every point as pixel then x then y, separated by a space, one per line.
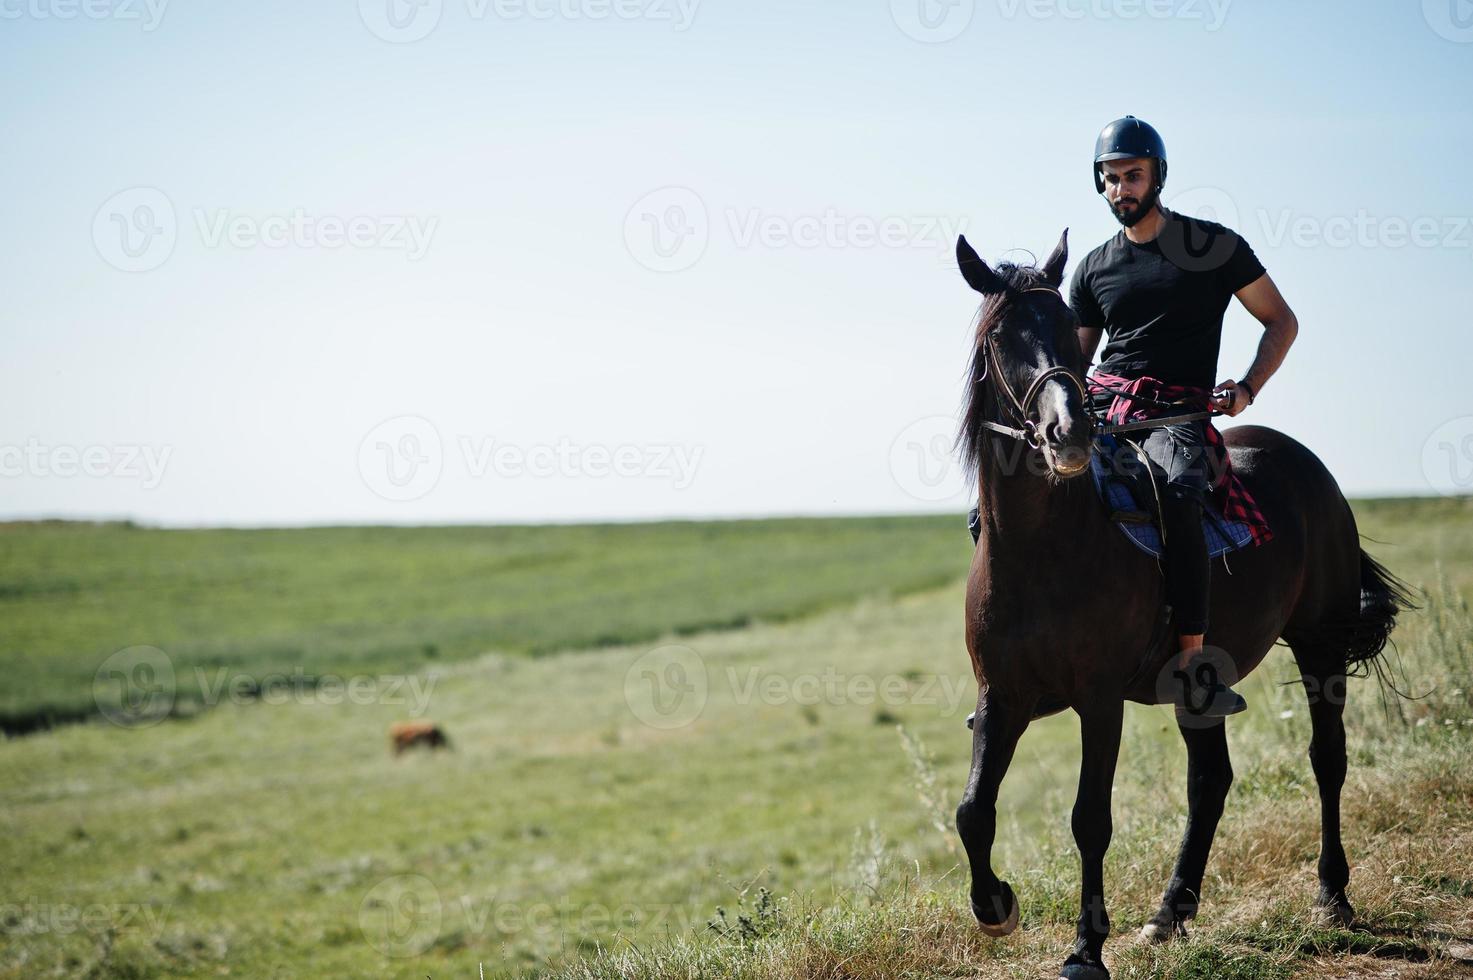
pixel 1021 408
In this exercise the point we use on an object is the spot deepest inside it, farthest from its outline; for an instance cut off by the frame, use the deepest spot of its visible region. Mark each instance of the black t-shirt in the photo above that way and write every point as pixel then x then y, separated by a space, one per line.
pixel 1161 303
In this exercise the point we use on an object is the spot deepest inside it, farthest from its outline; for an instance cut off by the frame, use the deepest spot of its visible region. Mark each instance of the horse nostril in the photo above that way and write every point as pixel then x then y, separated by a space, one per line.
pixel 1057 431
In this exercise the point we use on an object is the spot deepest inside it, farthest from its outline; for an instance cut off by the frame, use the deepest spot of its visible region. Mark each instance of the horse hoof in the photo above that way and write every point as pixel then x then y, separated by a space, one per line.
pixel 1157 931
pixel 1006 926
pixel 1332 914
pixel 1083 971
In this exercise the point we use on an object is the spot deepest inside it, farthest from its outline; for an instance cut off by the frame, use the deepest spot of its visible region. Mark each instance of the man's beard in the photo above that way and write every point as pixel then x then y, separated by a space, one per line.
pixel 1146 205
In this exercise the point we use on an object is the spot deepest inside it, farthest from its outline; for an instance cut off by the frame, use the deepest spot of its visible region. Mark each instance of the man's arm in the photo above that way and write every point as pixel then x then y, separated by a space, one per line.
pixel 1089 341
pixel 1261 298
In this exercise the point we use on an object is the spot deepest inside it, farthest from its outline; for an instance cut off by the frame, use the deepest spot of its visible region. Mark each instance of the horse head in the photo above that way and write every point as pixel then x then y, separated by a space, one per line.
pixel 1027 368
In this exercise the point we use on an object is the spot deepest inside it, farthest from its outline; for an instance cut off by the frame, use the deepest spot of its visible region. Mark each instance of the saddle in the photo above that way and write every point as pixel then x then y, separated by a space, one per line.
pixel 1131 502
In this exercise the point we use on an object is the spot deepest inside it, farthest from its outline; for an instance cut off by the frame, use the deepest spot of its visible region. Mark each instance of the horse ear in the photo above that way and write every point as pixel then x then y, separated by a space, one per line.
pixel 975 271
pixel 1053 269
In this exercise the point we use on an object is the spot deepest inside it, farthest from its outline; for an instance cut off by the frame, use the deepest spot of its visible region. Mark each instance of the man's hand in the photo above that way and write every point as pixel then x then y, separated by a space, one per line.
pixel 1230 398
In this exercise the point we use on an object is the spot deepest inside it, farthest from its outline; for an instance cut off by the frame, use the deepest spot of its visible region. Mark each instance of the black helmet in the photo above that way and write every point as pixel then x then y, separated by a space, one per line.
pixel 1126 138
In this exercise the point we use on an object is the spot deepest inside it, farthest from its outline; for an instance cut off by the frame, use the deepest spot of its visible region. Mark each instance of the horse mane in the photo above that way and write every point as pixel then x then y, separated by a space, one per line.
pixel 978 401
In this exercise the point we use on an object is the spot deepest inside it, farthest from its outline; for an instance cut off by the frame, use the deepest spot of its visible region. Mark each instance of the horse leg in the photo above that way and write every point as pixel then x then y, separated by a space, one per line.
pixel 1100 732
pixel 1209 774
pixel 995 734
pixel 1324 683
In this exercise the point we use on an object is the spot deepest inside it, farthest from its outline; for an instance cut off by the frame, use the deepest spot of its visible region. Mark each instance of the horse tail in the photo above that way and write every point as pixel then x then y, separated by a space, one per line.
pixel 1382 597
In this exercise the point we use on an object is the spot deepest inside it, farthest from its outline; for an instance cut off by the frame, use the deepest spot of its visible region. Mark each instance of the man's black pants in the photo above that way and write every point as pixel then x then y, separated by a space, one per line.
pixel 1178 461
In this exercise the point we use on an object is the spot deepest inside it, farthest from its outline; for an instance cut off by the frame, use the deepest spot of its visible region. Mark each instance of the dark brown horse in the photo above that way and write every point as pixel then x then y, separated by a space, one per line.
pixel 1062 612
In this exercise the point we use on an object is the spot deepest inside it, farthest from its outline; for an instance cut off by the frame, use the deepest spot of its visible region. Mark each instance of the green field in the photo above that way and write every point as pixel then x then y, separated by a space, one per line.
pixel 368 600
pixel 605 796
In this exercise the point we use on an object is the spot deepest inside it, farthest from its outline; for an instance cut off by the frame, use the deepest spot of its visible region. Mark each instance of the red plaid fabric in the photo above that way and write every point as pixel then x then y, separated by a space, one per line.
pixel 1229 494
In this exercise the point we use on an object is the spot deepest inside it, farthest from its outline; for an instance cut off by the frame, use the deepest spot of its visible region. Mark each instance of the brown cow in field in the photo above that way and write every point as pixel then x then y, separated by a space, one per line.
pixel 407 734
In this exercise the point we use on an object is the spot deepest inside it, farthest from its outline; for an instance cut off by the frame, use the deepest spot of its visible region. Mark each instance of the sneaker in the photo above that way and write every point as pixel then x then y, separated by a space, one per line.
pixel 1205 695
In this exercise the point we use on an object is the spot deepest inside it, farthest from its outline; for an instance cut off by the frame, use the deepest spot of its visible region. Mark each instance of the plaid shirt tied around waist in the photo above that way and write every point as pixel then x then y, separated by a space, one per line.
pixel 1228 493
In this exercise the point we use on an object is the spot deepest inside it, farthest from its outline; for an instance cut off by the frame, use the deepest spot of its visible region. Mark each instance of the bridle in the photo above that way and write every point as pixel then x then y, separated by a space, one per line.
pixel 1021 408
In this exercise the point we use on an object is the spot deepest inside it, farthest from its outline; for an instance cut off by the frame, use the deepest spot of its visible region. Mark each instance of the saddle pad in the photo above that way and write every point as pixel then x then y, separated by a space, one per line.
pixel 1222 535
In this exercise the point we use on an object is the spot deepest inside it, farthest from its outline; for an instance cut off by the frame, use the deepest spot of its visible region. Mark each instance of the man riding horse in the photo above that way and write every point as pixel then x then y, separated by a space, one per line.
pixel 1040 644
pixel 1159 290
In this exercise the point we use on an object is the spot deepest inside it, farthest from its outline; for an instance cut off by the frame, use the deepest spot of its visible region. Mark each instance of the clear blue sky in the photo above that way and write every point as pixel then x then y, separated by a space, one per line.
pixel 533 355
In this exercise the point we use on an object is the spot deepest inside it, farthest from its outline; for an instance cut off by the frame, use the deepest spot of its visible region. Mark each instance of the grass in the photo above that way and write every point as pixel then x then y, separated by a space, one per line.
pixel 590 822
pixel 370 600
